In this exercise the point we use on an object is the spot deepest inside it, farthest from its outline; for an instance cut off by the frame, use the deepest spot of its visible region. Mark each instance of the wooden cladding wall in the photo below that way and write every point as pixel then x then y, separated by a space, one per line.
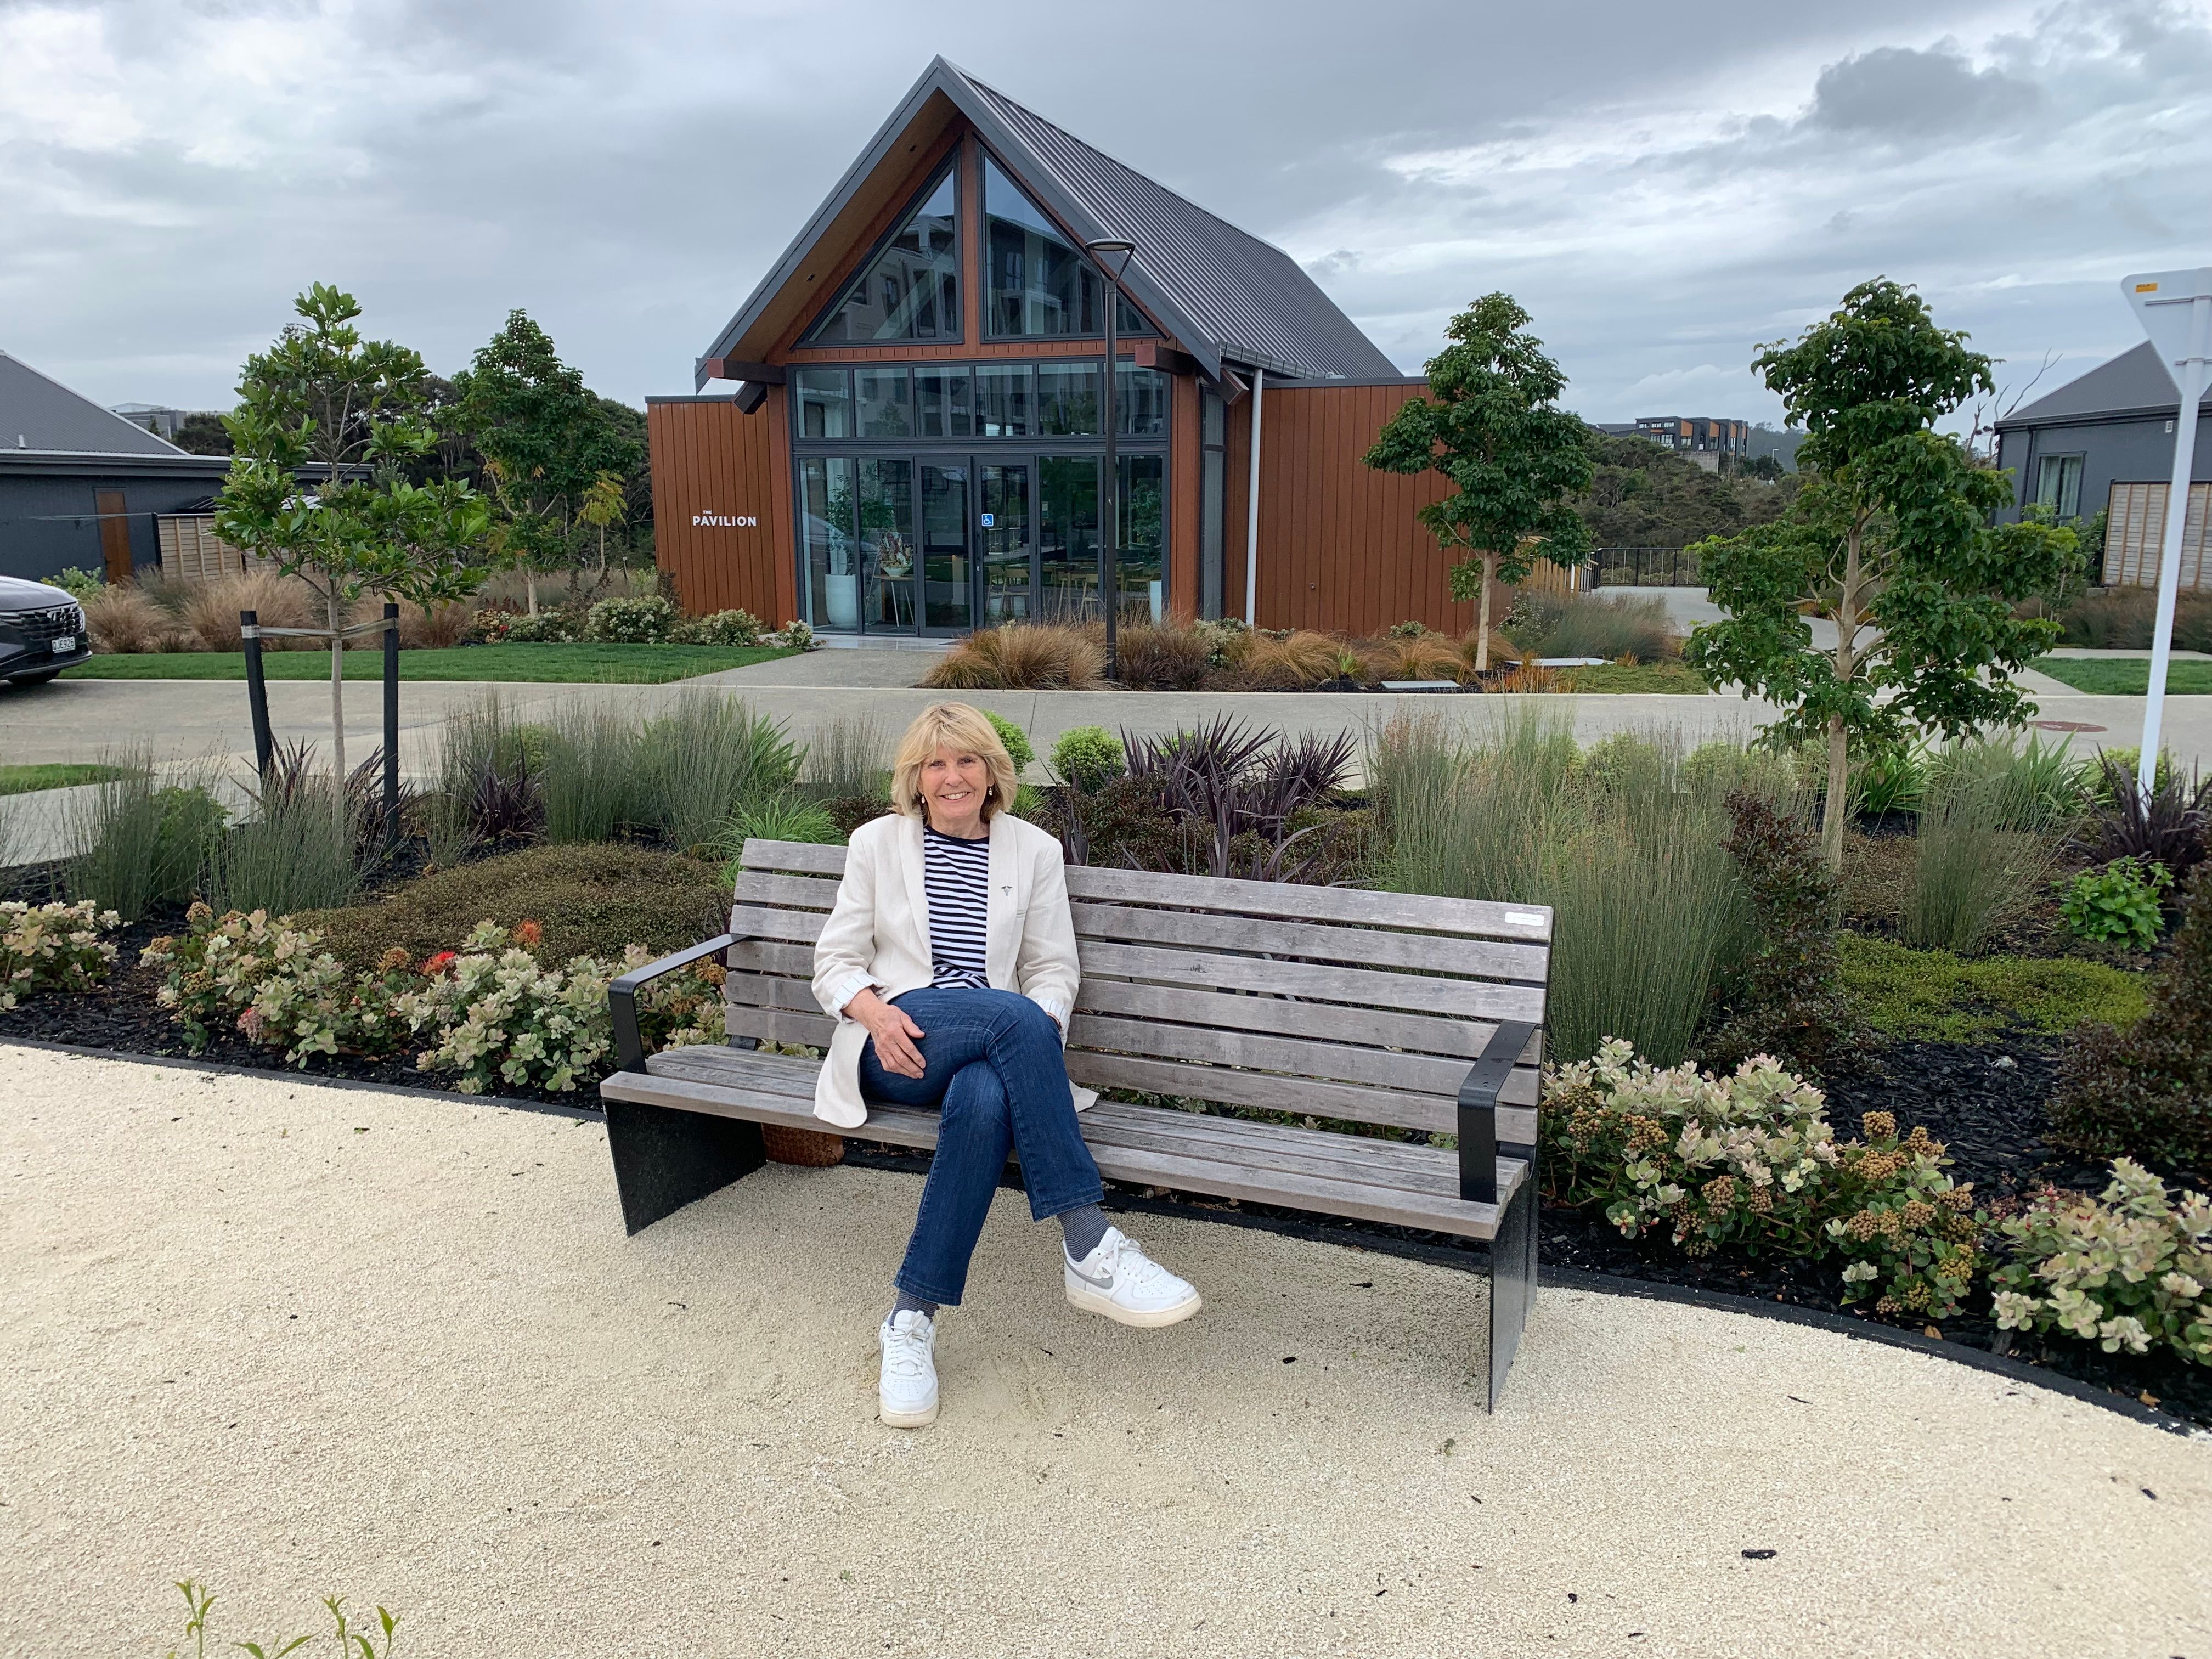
pixel 1339 548
pixel 723 527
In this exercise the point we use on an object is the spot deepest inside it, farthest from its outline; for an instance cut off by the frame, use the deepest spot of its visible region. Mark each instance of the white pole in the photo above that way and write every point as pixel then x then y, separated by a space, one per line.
pixel 1252 511
pixel 2192 376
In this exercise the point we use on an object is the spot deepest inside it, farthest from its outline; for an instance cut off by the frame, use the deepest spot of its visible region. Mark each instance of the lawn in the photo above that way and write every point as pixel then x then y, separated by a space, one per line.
pixel 53 774
pixel 629 665
pixel 2126 676
pixel 1623 677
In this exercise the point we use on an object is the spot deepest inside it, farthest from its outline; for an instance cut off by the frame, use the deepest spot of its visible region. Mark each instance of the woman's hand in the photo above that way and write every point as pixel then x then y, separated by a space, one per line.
pixel 894 1034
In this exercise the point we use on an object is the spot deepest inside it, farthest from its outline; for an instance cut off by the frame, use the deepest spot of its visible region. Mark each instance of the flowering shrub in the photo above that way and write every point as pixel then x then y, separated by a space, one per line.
pixel 557 626
pixel 497 1016
pixel 796 634
pixel 52 947
pixel 722 628
pixel 2123 901
pixel 271 983
pixel 647 620
pixel 2128 1269
pixel 1750 1160
pixel 680 1010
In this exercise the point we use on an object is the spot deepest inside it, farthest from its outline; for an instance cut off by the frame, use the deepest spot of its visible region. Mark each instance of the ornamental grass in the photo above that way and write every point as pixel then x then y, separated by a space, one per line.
pixel 1020 656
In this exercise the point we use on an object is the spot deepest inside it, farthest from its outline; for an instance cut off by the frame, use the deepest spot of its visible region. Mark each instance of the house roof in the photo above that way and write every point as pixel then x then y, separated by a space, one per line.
pixel 1222 295
pixel 2135 383
pixel 39 414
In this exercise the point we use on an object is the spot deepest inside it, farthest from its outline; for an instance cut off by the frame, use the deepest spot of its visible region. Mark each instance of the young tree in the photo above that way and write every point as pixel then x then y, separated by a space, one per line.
pixel 545 439
pixel 325 422
pixel 1892 529
pixel 605 504
pixel 1492 424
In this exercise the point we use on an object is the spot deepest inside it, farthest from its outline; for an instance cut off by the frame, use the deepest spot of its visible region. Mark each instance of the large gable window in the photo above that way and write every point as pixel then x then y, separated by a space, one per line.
pixel 911 290
pixel 1039 282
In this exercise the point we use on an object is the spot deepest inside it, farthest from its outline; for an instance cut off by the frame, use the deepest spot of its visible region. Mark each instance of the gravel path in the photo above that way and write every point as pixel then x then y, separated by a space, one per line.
pixel 287 1339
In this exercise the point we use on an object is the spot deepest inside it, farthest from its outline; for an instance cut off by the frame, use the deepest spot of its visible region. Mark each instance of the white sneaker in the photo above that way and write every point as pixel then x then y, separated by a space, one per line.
pixel 906 1397
pixel 1118 1279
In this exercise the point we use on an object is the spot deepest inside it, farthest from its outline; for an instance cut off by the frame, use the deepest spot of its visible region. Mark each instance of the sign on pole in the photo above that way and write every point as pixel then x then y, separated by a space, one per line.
pixel 2175 309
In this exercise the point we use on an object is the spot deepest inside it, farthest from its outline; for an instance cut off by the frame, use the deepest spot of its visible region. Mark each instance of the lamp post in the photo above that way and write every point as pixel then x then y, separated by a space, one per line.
pixel 2175 309
pixel 1112 253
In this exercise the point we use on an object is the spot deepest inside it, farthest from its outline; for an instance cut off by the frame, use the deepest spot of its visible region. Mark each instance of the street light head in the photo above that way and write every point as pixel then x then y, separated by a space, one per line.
pixel 1112 245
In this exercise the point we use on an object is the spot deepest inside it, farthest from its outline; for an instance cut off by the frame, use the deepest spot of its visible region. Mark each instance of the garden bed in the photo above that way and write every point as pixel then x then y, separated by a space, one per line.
pixel 627 665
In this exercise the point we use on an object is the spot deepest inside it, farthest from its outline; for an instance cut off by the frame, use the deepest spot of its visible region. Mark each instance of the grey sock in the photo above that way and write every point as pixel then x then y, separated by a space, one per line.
pixel 913 1304
pixel 1081 1229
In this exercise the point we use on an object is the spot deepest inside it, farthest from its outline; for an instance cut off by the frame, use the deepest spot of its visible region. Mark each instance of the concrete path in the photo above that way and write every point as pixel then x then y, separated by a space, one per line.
pixel 288 1338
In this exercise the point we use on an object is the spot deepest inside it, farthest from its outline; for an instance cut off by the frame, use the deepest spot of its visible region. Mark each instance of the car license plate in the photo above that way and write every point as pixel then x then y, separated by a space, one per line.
pixel 64 645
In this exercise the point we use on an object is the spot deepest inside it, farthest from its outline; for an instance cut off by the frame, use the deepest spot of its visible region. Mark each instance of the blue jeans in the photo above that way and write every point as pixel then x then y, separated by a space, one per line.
pixel 992 1065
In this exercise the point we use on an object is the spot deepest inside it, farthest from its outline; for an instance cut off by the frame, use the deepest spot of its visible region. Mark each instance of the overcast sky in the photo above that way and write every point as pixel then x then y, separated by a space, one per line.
pixel 1663 186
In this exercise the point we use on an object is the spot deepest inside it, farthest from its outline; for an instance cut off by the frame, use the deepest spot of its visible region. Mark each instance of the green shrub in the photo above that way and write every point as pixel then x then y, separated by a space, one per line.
pixel 2122 901
pixel 1087 757
pixel 1406 630
pixel 560 625
pixel 2146 1092
pixel 2128 1270
pixel 732 627
pixel 1933 996
pixel 274 984
pixel 1786 999
pixel 778 817
pixel 1891 779
pixel 589 900
pixel 298 850
pixel 78 583
pixel 52 947
pixel 1017 740
pixel 146 844
pixel 496 1016
pixel 647 620
pixel 1749 1160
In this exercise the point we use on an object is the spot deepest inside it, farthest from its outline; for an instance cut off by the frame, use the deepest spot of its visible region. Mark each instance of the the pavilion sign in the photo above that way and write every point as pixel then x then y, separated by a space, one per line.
pixel 708 517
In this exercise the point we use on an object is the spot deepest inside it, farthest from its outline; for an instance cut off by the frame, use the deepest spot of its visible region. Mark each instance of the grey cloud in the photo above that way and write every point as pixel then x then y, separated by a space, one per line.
pixel 1895 91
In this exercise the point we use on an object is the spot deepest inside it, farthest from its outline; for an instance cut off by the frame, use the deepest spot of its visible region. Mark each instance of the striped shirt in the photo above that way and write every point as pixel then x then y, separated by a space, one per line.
pixel 956 876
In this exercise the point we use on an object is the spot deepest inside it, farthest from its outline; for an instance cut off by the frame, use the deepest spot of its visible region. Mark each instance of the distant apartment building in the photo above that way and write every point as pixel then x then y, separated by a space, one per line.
pixel 1703 438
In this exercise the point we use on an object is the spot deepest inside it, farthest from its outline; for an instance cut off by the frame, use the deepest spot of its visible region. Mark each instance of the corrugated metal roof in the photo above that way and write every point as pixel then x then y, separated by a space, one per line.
pixel 2134 383
pixel 39 413
pixel 1220 292
pixel 1251 299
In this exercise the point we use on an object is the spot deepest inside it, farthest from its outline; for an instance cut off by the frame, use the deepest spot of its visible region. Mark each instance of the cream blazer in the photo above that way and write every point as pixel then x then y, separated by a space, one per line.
pixel 877 935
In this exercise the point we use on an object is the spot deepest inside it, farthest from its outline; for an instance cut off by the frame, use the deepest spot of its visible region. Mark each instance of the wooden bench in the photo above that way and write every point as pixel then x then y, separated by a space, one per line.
pixel 1323 1003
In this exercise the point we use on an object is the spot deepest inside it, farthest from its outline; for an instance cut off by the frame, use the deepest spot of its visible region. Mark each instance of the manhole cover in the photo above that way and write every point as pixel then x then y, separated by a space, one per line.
pixel 2065 725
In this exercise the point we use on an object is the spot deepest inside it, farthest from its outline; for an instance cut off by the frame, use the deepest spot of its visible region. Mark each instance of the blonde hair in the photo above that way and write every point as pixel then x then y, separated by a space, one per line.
pixel 961 727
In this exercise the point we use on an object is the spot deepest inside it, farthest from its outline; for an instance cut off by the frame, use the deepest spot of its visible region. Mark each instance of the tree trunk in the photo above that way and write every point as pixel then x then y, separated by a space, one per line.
pixel 530 577
pixel 1837 799
pixel 337 698
pixel 1482 617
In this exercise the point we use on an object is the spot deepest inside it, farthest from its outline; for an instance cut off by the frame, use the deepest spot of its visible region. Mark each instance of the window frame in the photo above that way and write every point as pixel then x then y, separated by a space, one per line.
pixel 865 268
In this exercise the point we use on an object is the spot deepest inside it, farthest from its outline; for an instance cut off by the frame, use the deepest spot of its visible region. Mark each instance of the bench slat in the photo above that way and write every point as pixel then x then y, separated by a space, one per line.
pixel 1463 1040
pixel 1361 908
pixel 1354 946
pixel 1323 1061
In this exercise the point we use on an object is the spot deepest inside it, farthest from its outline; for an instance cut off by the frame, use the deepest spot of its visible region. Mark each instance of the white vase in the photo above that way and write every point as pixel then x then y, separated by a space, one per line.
pixel 842 594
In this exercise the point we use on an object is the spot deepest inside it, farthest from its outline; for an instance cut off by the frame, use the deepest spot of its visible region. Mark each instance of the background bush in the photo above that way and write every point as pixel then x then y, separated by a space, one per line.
pixel 1087 757
pixel 645 621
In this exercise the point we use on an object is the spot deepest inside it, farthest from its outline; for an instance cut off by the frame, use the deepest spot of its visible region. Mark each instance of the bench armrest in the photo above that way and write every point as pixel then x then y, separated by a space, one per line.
pixel 621 998
pixel 1478 1111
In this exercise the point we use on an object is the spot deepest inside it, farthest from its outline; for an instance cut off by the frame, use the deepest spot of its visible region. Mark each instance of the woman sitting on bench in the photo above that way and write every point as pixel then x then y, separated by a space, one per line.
pixel 949 964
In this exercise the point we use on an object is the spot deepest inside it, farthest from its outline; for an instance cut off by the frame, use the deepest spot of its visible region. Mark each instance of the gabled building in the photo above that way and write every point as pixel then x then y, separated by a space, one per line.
pixel 80 485
pixel 2105 440
pixel 899 430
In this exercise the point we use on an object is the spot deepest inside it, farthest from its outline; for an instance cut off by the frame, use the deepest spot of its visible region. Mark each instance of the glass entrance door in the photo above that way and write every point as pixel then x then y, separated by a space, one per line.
pixel 1004 521
pixel 947 577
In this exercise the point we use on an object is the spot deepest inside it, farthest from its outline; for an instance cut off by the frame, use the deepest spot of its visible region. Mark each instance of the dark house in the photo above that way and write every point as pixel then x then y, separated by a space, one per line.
pixel 915 444
pixel 80 485
pixel 2106 440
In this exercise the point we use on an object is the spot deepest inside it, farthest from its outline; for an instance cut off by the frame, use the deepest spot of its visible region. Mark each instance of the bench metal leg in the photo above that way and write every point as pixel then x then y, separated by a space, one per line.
pixel 665 1159
pixel 1512 1282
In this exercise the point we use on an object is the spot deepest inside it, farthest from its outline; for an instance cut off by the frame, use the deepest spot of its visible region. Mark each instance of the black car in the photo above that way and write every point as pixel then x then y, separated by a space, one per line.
pixel 41 632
